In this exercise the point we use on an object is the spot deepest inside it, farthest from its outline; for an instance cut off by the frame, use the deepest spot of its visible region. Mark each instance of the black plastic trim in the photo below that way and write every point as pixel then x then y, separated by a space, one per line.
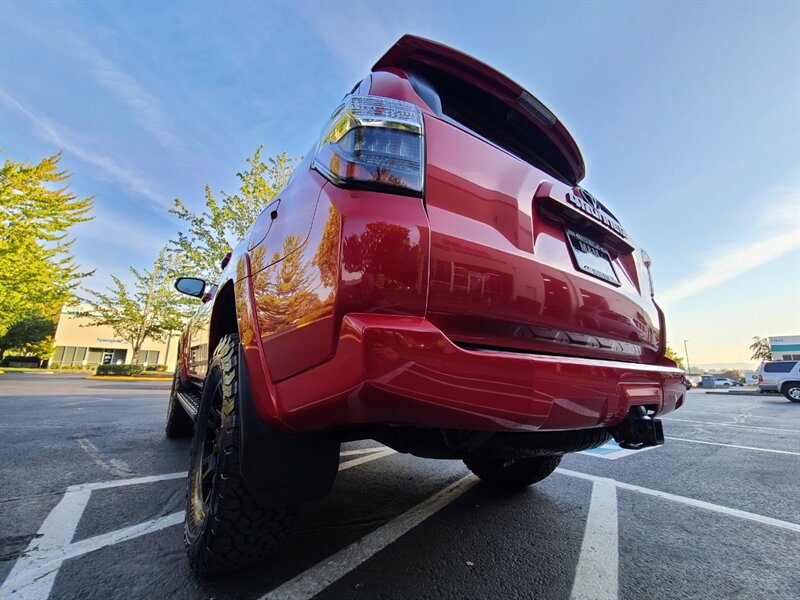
pixel 281 468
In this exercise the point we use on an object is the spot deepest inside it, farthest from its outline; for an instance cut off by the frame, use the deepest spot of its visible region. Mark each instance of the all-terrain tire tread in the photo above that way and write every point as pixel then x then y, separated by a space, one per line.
pixel 237 532
pixel 513 473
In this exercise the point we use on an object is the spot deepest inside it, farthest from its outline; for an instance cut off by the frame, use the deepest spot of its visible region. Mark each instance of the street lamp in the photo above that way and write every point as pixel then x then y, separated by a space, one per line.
pixel 686 350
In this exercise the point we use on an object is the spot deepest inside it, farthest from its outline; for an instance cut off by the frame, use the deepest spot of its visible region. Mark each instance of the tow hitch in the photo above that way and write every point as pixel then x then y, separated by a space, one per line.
pixel 638 430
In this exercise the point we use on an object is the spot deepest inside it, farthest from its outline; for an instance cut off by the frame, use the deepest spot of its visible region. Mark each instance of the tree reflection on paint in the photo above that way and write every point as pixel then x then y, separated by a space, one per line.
pixel 285 293
pixel 384 254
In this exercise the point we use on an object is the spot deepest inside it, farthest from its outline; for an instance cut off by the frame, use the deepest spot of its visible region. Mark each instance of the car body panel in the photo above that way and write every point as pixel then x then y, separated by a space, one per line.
pixel 502 273
pixel 402 370
pixel 459 309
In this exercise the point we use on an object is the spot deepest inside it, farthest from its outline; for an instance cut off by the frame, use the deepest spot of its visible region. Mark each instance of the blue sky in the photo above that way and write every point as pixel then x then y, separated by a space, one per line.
pixel 688 116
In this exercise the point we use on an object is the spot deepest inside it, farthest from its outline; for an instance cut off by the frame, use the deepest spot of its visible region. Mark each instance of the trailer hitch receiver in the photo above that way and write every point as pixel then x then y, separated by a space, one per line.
pixel 638 430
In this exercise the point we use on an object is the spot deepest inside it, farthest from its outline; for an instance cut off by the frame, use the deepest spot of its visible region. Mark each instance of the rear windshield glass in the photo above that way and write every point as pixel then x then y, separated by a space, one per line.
pixel 492 119
pixel 779 367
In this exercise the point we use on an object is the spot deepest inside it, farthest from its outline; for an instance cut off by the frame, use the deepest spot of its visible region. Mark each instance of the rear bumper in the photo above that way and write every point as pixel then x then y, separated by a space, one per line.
pixel 404 371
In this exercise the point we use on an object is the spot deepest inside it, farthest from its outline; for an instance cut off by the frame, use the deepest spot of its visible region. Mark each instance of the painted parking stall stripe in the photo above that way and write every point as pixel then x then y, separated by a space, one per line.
pixel 737 425
pixel 597 575
pixel 35 572
pixel 753 448
pixel 733 512
pixel 311 582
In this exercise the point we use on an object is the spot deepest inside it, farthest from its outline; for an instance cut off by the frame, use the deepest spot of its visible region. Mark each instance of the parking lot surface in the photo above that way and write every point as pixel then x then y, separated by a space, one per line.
pixel 92 501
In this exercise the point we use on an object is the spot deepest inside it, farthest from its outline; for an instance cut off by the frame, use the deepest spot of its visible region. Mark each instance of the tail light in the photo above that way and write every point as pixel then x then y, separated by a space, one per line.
pixel 374 143
pixel 760 378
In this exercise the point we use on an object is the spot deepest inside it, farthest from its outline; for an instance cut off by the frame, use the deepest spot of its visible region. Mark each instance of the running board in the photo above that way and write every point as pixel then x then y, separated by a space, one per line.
pixel 190 402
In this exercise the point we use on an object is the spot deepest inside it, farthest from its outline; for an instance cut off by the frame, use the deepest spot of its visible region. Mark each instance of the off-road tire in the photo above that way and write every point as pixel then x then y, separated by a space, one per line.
pixel 225 527
pixel 179 424
pixel 514 473
pixel 792 391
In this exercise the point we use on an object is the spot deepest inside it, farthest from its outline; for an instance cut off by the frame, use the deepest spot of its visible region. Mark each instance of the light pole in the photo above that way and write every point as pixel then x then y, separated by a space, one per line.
pixel 686 350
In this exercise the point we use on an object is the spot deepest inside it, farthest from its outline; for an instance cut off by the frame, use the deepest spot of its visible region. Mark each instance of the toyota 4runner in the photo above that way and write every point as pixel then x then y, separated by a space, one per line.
pixel 431 277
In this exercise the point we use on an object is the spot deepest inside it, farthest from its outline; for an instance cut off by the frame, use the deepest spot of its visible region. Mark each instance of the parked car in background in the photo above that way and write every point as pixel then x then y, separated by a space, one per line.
pixel 726 382
pixel 688 383
pixel 782 376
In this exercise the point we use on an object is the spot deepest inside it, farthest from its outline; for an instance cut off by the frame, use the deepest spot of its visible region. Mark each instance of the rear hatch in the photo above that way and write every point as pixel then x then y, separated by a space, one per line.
pixel 521 257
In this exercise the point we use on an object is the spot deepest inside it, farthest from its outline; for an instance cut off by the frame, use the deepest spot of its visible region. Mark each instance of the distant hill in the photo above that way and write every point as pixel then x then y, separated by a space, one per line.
pixel 728 365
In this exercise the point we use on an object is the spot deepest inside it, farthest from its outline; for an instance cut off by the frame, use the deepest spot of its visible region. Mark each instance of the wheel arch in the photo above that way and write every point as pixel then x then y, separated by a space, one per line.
pixel 785 385
pixel 223 316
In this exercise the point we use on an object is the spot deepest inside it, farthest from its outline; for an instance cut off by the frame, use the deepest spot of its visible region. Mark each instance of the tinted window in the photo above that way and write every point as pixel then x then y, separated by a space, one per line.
pixel 489 117
pixel 779 367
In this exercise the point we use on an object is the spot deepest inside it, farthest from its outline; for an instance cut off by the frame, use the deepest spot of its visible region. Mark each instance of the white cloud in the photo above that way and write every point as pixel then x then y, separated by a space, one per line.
pixel 355 35
pixel 778 232
pixel 146 108
pixel 123 233
pixel 65 139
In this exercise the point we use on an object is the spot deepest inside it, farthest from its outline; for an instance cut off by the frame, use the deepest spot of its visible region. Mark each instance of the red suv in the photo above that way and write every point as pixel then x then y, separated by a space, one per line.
pixel 431 277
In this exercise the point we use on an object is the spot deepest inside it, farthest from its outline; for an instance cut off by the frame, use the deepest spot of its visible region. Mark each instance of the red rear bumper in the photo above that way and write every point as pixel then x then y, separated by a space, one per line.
pixel 403 370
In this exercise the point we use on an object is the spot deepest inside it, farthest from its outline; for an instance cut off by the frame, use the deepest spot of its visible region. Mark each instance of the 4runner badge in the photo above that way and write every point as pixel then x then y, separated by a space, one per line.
pixel 592 207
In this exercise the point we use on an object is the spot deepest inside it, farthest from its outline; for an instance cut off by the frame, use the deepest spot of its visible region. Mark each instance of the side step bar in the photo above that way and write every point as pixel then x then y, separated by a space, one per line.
pixel 190 402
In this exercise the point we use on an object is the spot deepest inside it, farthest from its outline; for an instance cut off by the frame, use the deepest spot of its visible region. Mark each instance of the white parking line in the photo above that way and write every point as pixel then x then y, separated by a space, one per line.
pixel 686 411
pixel 103 485
pixel 53 536
pixel 717 508
pixel 732 446
pixel 361 451
pixel 113 465
pixel 365 459
pixel 731 425
pixel 597 574
pixel 34 573
pixel 317 578
pixel 36 578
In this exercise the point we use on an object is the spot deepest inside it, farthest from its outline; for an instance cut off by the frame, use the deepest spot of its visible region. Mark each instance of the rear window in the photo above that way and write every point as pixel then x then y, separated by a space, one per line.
pixel 456 100
pixel 779 367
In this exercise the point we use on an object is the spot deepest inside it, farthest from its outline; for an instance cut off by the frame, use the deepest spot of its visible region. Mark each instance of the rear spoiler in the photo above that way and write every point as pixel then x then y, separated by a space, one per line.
pixel 411 51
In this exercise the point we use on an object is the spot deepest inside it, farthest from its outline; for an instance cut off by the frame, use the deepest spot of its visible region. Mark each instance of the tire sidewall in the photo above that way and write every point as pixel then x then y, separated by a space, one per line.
pixel 791 387
pixel 193 529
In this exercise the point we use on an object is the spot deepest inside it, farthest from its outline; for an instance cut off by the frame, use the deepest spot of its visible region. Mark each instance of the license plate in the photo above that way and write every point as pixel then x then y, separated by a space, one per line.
pixel 592 258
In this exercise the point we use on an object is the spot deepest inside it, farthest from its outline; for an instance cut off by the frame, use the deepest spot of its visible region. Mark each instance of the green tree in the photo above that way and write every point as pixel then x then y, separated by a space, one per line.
pixel 209 234
pixel 672 355
pixel 31 336
pixel 150 310
pixel 761 349
pixel 734 374
pixel 38 273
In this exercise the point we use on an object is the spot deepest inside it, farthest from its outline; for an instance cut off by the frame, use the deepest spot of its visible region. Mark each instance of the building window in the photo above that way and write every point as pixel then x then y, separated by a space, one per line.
pixel 72 356
pixel 148 357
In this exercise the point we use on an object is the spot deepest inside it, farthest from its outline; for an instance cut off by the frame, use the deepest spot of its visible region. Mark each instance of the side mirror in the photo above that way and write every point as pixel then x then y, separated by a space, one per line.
pixel 191 286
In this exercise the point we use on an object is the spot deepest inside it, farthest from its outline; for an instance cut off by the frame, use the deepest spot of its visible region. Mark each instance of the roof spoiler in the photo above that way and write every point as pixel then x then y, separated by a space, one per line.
pixel 412 51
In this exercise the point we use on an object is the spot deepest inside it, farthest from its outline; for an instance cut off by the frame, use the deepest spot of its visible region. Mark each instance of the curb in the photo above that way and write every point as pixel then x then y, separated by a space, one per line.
pixel 736 393
pixel 127 378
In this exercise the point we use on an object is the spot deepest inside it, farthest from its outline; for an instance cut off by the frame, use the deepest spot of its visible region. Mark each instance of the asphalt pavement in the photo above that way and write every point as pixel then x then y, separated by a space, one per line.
pixel 92 494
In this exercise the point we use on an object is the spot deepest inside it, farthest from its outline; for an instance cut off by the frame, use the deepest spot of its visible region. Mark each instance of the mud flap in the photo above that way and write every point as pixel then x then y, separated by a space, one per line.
pixel 281 468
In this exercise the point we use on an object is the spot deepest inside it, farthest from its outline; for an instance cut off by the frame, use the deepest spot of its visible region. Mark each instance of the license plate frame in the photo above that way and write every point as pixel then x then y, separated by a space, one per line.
pixel 591 258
